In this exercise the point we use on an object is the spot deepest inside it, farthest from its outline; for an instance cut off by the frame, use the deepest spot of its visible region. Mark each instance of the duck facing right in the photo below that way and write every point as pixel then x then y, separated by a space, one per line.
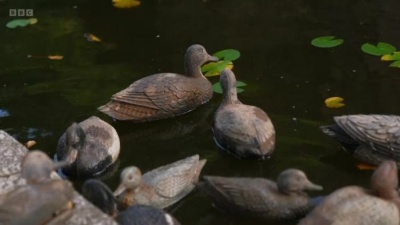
pixel 243 130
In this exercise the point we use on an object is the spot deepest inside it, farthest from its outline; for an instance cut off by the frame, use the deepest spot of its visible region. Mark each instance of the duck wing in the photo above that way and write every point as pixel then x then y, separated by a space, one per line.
pixel 158 96
pixel 173 179
pixel 238 194
pixel 381 133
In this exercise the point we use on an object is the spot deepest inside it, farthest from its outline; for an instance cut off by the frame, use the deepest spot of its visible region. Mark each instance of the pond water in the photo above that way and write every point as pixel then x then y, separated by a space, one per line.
pixel 286 76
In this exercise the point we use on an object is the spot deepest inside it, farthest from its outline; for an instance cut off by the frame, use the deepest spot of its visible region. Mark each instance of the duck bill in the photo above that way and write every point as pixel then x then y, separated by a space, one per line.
pixel 212 58
pixel 313 187
pixel 120 189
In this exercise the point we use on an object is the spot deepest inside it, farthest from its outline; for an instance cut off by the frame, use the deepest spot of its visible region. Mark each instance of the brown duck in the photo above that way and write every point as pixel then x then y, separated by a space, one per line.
pixel 262 198
pixel 160 187
pixel 354 205
pixel 244 130
pixel 369 138
pixel 164 95
pixel 42 200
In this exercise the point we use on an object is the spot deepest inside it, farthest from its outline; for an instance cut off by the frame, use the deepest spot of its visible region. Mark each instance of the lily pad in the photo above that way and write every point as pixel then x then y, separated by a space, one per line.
pixel 218 89
pixel 227 54
pixel 391 57
pixel 380 49
pixel 215 68
pixel 326 42
pixel 395 64
pixel 18 23
pixel 126 4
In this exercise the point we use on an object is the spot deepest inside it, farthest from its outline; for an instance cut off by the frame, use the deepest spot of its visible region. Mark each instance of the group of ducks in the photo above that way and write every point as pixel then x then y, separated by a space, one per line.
pixel 90 147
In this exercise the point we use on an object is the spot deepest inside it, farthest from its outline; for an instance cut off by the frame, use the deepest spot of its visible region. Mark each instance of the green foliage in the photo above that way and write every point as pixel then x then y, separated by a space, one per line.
pixel 380 49
pixel 226 57
pixel 218 89
pixel 18 23
pixel 326 42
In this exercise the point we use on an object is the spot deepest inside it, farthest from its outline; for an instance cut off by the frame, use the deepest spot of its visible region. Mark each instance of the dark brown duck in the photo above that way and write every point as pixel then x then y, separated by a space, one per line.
pixel 164 95
pixel 244 130
pixel 262 198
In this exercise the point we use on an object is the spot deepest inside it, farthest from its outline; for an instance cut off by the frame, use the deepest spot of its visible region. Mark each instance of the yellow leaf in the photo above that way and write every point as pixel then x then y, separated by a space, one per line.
pixel 126 3
pixel 91 37
pixel 32 20
pixel 55 57
pixel 391 57
pixel 334 102
pixel 30 143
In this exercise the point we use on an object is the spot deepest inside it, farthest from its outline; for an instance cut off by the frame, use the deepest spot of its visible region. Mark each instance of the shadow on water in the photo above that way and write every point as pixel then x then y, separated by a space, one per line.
pixel 286 76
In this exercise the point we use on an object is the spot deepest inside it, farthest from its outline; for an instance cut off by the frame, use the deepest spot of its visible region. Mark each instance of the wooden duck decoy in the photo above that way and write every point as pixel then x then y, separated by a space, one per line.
pixel 90 147
pixel 101 196
pixel 164 95
pixel 243 130
pixel 354 205
pixel 369 138
pixel 42 200
pixel 160 187
pixel 262 198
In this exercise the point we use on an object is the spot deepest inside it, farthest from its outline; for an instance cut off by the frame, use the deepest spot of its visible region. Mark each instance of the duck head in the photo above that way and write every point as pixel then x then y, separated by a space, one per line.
pixel 75 140
pixel 37 166
pixel 384 180
pixel 295 181
pixel 131 178
pixel 100 195
pixel 228 85
pixel 196 55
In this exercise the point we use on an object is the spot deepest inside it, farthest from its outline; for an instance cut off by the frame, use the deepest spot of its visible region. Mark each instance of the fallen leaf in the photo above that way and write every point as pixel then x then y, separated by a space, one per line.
pixel 334 102
pixel 30 143
pixel 55 57
pixel 91 37
pixel 126 4
pixel 365 166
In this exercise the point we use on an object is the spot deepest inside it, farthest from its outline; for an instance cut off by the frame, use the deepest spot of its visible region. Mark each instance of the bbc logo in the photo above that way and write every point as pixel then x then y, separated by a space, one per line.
pixel 21 12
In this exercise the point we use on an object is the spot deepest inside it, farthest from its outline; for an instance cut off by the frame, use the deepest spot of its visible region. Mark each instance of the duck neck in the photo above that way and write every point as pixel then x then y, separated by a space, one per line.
pixel 192 69
pixel 230 96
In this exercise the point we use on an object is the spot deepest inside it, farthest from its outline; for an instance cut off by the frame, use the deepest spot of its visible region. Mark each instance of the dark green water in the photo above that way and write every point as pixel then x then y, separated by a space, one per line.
pixel 286 76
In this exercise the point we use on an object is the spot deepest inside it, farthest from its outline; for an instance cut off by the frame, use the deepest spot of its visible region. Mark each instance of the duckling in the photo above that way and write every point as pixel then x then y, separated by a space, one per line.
pixel 164 95
pixel 160 187
pixel 354 205
pixel 42 200
pixel 101 196
pixel 369 138
pixel 262 198
pixel 244 130
pixel 89 147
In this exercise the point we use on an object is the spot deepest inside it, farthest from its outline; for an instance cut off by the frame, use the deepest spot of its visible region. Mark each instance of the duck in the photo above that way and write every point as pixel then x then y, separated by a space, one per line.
pixel 262 198
pixel 354 205
pixel 100 195
pixel 243 130
pixel 369 138
pixel 164 95
pixel 161 187
pixel 41 200
pixel 90 147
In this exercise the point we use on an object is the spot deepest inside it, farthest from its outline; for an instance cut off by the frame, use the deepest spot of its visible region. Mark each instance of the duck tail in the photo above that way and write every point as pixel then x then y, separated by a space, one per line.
pixel 338 134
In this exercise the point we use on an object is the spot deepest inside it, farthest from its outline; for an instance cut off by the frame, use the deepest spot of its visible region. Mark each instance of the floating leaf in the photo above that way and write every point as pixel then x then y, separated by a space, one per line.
pixel 55 57
pixel 91 37
pixel 126 3
pixel 21 23
pixel 218 89
pixel 326 42
pixel 380 49
pixel 395 64
pixel 227 54
pixel 30 143
pixel 391 57
pixel 334 102
pixel 215 68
